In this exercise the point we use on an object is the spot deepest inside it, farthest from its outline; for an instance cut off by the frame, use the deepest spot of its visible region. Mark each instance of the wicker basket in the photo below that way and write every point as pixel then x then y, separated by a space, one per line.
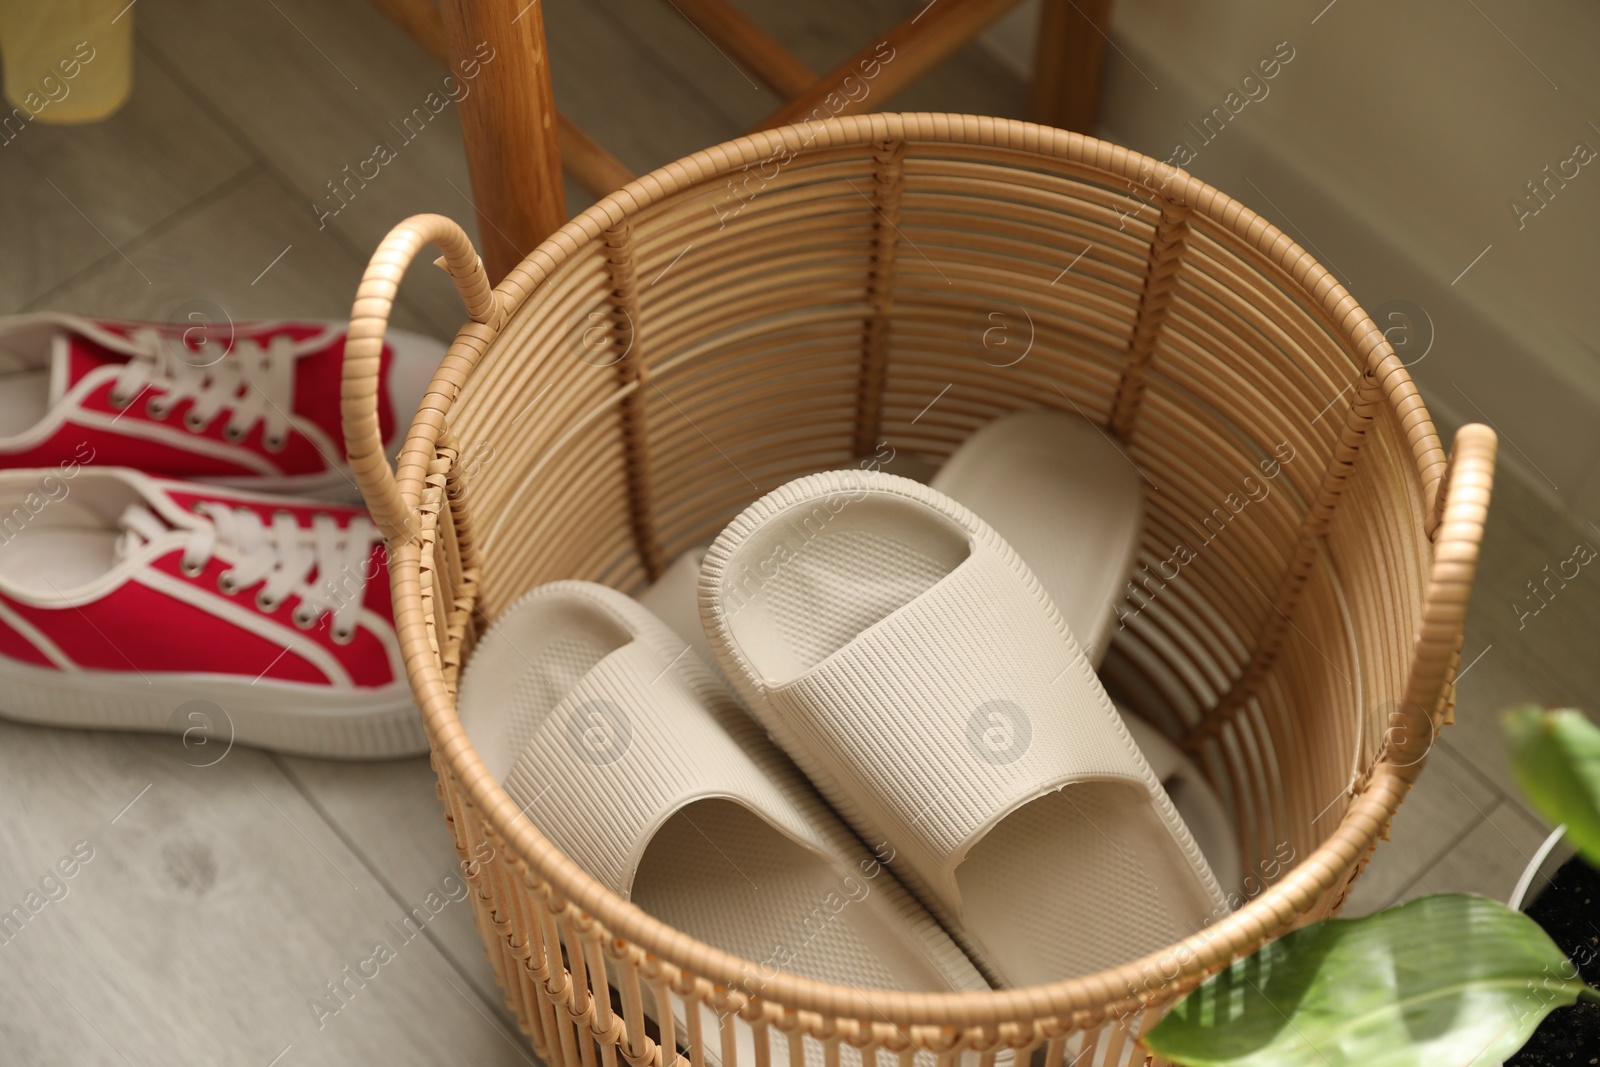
pixel 799 299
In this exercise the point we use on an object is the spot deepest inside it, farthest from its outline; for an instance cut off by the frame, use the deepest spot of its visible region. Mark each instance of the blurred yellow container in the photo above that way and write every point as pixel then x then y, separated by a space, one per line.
pixel 65 61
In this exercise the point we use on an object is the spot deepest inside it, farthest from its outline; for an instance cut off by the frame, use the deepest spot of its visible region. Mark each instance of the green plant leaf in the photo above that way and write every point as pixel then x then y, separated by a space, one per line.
pixel 1555 756
pixel 1448 979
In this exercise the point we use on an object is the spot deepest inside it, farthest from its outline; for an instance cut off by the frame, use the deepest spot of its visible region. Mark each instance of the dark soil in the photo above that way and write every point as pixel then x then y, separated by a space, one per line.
pixel 1569 911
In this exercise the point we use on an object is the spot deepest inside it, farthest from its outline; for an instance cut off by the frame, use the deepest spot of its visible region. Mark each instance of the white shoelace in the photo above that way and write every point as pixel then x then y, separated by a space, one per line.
pixel 283 553
pixel 255 382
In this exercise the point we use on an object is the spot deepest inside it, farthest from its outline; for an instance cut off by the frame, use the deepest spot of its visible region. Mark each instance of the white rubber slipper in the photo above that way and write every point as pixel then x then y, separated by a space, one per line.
pixel 674 599
pixel 644 769
pixel 1067 499
pixel 905 657
pixel 1197 802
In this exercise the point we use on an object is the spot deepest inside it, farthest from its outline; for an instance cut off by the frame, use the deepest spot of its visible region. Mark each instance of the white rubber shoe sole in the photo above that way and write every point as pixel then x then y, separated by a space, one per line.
pixel 211 713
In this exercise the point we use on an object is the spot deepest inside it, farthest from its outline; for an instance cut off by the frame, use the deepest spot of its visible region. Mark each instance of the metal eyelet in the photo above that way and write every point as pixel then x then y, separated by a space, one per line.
pixel 118 403
pixel 265 605
pixel 274 444
pixel 193 572
pixel 233 434
pixel 155 410
pixel 304 621
pixel 193 423
pixel 226 583
pixel 343 637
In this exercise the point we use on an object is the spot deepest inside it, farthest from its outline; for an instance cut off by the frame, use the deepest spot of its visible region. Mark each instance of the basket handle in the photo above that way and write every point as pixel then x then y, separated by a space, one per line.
pixel 1457 521
pixel 363 350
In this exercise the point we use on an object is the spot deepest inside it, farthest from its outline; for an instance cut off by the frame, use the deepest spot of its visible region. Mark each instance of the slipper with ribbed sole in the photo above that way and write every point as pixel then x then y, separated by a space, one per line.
pixel 643 768
pixel 672 599
pixel 1061 493
pixel 904 656
pixel 1195 798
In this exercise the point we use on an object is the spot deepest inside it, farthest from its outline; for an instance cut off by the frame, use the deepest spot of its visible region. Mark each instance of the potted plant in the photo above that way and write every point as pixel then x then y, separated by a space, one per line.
pixel 1561 888
pixel 1449 980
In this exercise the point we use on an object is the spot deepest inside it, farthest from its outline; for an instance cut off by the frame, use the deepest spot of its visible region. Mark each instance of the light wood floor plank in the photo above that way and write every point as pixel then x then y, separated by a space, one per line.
pixel 71 195
pixel 1489 860
pixel 248 254
pixel 1447 804
pixel 388 814
pixel 213 907
pixel 316 88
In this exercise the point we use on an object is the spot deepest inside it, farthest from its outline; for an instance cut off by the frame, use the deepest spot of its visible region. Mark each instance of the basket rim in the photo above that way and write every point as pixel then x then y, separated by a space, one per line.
pixel 1130 986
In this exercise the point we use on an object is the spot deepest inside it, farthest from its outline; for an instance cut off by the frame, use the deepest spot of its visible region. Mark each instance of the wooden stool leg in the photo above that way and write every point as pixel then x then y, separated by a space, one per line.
pixel 1071 54
pixel 509 123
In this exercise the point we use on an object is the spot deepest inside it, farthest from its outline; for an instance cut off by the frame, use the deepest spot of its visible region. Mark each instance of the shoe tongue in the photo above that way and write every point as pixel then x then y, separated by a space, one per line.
pixel 72 357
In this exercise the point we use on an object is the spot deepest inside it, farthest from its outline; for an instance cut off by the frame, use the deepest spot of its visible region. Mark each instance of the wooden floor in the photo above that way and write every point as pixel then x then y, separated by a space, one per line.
pixel 217 901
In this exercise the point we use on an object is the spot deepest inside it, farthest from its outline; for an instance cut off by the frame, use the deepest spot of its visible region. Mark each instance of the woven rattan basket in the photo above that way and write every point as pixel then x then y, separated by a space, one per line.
pixel 797 300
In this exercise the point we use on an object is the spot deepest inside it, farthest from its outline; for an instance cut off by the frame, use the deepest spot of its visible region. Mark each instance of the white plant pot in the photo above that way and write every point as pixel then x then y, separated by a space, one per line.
pixel 1551 855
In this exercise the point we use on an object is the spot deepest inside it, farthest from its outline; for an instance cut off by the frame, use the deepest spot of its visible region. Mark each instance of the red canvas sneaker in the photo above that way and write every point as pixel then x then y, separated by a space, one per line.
pixel 125 599
pixel 247 405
